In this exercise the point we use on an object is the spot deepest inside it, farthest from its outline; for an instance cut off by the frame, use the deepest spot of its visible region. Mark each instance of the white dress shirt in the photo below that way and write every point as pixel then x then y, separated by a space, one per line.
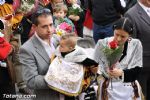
pixel 50 49
pixel 146 9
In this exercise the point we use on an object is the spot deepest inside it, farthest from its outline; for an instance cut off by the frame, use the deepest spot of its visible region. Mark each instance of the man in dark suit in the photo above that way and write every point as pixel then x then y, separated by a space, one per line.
pixel 140 16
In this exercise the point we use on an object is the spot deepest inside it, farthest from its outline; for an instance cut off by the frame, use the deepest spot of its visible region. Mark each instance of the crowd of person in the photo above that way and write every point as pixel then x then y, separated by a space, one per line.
pixel 33 33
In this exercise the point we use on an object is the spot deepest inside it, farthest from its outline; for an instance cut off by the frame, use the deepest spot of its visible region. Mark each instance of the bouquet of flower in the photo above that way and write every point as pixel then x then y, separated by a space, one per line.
pixel 75 10
pixel 27 6
pixel 63 28
pixel 112 52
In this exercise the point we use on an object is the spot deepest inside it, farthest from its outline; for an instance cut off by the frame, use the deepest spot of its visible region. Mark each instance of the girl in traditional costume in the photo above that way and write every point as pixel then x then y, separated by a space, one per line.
pixel 120 81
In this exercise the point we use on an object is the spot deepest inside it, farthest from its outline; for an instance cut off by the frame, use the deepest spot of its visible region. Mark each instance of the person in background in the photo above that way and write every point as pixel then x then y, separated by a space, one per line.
pixel 139 14
pixel 104 13
pixel 88 25
pixel 7 78
pixel 77 19
pixel 59 13
pixel 129 4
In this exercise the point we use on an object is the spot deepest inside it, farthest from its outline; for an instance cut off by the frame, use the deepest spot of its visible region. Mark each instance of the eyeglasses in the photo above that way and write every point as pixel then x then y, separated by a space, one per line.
pixel 42 11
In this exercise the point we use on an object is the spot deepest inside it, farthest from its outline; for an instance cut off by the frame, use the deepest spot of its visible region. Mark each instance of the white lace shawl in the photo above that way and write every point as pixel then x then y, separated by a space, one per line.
pixel 132 59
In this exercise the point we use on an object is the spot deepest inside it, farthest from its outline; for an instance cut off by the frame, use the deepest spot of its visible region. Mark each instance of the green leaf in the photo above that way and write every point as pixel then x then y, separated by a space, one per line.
pixel 112 55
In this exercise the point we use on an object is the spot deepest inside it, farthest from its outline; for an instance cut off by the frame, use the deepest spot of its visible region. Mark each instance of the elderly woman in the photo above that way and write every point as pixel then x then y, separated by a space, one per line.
pixel 119 82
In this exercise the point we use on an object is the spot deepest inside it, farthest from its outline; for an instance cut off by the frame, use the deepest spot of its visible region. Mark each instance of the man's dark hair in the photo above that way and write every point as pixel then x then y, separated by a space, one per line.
pixel 40 12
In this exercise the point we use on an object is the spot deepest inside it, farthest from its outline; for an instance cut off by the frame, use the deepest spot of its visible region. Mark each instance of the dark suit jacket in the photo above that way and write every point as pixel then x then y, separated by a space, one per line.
pixel 142 30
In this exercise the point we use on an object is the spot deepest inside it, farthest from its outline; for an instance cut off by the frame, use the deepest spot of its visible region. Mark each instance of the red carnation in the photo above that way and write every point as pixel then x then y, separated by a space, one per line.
pixel 113 44
pixel 69 28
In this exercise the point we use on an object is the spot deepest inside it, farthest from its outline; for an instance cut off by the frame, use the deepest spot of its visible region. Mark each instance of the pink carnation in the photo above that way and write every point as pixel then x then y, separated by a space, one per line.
pixel 65 26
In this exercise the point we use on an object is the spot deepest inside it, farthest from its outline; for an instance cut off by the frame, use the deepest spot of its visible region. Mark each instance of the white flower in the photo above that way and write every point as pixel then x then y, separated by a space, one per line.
pixel 59 31
pixel 1 34
pixel 2 2
pixel 26 6
pixel 76 6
